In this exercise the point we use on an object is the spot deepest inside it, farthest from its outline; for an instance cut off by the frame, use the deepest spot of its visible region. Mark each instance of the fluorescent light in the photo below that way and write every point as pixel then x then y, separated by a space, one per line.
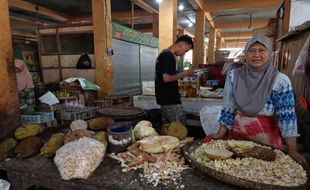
pixel 181 7
pixel 158 1
pixel 190 24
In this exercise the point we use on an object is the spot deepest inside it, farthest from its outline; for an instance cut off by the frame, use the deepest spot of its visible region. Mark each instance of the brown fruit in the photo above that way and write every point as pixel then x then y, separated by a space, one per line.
pixel 28 147
pixel 100 123
pixel 77 134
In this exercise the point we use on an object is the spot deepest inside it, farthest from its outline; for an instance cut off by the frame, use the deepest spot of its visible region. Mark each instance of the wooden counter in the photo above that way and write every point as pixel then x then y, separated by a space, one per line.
pixel 190 105
pixel 42 172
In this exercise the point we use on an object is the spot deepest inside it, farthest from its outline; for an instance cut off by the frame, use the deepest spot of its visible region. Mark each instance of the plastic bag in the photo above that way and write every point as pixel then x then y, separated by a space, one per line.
pixel 80 158
pixel 300 63
pixel 209 116
pixel 4 185
pixel 84 62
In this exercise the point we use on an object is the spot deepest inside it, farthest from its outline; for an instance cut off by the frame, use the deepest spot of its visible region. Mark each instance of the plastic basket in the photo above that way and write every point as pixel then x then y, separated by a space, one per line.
pixel 42 117
pixel 47 108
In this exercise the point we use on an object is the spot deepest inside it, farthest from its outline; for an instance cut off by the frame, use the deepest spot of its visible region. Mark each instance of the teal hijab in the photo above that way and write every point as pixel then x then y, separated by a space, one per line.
pixel 252 86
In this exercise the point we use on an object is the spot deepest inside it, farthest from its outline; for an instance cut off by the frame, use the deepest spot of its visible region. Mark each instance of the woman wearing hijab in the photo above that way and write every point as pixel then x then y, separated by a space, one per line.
pixel 24 83
pixel 259 101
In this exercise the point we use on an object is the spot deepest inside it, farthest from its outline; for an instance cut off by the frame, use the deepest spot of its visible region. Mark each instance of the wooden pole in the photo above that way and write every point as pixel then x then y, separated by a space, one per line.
pixel 167 23
pixel 218 42
pixel 132 14
pixel 155 25
pixel 9 101
pixel 211 45
pixel 102 24
pixel 286 18
pixel 199 47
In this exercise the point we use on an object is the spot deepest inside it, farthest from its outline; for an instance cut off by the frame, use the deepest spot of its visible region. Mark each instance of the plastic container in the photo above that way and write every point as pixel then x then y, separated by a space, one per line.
pixel 4 185
pixel 119 137
pixel 42 117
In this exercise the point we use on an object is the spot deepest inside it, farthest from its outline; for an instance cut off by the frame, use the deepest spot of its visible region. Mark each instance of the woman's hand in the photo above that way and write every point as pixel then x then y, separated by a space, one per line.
pixel 221 132
pixel 297 157
pixel 292 150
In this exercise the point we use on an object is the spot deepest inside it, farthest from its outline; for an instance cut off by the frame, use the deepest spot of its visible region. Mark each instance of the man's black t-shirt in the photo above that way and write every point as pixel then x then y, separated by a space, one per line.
pixel 166 93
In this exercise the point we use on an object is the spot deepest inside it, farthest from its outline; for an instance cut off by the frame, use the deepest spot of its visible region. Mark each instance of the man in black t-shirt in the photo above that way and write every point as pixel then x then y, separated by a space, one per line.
pixel 166 80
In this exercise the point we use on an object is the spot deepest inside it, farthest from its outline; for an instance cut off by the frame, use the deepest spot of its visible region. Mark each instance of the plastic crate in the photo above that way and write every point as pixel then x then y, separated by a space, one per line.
pixel 42 117
pixel 53 108
pixel 120 100
pixel 101 103
pixel 84 114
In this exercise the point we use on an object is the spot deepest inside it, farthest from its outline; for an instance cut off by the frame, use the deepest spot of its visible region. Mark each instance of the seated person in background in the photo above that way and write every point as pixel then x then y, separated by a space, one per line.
pixel 259 101
pixel 24 83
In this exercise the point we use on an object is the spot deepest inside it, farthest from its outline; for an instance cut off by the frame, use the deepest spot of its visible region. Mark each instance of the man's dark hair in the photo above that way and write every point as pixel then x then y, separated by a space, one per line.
pixel 185 38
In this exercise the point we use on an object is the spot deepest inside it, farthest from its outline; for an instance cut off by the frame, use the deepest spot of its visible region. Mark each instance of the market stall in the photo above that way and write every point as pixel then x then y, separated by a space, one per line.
pixel 92 127
pixel 42 172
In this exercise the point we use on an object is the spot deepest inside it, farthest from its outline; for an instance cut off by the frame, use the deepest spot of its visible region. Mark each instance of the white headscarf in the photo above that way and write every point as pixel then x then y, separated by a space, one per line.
pixel 24 78
pixel 252 86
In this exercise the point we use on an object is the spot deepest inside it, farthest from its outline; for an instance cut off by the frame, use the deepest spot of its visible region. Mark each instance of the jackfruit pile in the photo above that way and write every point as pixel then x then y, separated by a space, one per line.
pixel 27 138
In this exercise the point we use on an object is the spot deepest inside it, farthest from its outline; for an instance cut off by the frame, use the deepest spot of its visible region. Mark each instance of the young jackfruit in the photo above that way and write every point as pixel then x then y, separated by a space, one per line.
pixel 176 129
pixel 5 147
pixel 102 137
pixel 100 123
pixel 27 130
pixel 77 134
pixel 28 147
pixel 53 144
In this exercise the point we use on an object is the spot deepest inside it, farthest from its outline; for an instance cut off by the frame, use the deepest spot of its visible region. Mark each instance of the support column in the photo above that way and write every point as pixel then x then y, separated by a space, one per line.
pixel 223 42
pixel 132 14
pixel 9 102
pixel 155 25
pixel 286 18
pixel 167 23
pixel 211 45
pixel 101 10
pixel 218 42
pixel 199 47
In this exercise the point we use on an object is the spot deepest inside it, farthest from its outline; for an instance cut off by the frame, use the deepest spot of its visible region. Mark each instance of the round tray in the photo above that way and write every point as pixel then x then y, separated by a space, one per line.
pixel 122 113
pixel 243 183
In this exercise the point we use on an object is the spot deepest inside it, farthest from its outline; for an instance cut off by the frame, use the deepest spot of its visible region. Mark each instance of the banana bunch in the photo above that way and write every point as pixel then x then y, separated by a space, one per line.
pixel 27 130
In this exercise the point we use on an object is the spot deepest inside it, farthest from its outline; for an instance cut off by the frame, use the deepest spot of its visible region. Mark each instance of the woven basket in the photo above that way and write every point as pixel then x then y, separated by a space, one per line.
pixel 243 183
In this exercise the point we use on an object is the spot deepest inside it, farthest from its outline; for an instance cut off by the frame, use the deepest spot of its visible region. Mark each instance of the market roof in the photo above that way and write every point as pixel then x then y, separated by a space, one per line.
pixel 234 19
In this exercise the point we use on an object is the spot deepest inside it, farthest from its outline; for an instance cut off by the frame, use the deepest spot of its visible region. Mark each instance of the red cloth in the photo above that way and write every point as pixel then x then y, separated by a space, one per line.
pixel 262 129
